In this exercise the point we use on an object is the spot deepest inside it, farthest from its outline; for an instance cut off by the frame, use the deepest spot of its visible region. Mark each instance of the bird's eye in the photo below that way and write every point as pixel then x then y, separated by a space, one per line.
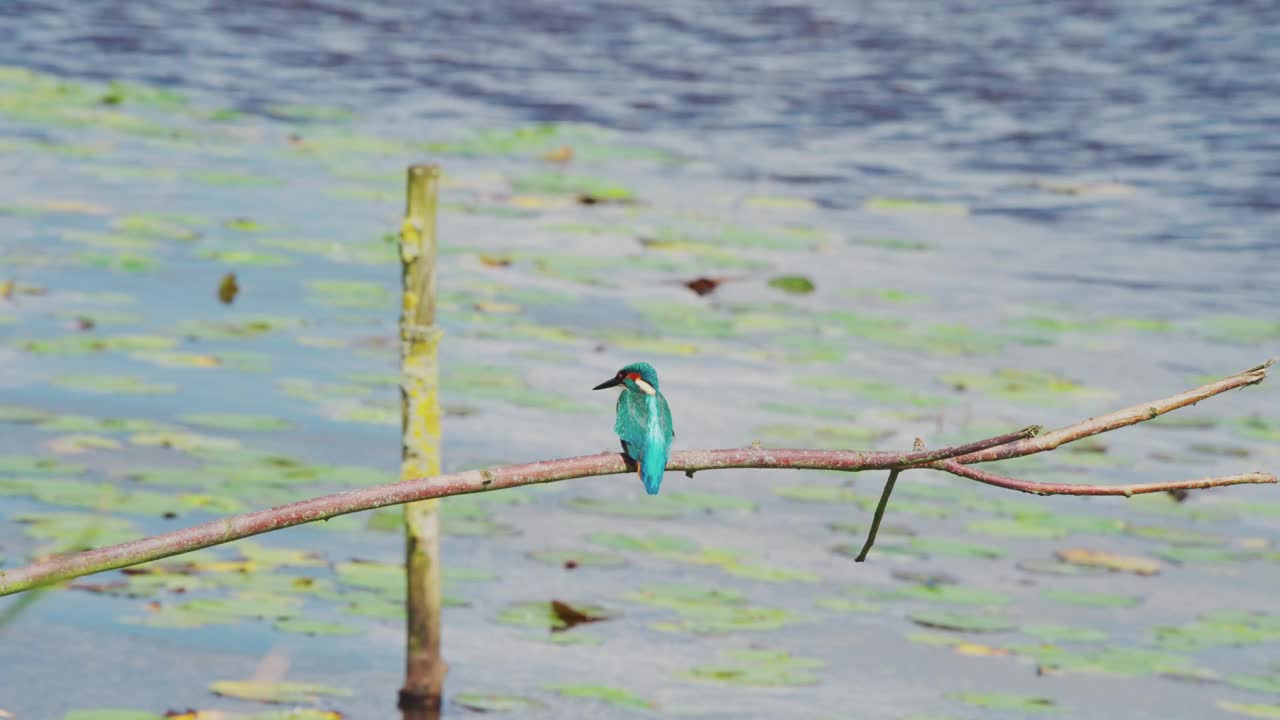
pixel 619 374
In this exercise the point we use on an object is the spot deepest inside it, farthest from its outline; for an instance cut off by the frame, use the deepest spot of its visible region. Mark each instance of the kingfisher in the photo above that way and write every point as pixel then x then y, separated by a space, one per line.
pixel 644 422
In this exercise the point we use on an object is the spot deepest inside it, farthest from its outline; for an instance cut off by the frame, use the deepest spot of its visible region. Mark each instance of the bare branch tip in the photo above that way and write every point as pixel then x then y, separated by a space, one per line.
pixel 1260 371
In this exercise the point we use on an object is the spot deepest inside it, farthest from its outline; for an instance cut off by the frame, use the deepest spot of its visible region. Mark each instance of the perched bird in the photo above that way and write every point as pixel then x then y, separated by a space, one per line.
pixel 644 422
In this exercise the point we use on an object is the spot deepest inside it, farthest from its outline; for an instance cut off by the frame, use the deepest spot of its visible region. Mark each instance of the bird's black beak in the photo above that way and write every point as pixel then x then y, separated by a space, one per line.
pixel 611 382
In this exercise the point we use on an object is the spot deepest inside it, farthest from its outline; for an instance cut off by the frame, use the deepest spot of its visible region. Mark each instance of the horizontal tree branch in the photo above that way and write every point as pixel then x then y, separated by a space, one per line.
pixel 949 459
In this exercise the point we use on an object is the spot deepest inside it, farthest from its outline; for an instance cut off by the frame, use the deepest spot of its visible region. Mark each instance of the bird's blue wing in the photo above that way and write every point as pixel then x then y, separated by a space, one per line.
pixel 633 419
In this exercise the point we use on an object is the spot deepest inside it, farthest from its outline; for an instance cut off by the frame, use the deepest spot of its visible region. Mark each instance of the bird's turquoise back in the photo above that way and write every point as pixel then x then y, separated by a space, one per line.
pixel 644 424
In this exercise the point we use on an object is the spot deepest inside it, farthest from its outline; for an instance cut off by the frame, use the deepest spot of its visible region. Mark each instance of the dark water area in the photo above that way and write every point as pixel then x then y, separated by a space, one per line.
pixel 1011 212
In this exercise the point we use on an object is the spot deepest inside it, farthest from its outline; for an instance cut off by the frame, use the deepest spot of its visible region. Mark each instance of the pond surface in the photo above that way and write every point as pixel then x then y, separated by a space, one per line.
pixel 940 223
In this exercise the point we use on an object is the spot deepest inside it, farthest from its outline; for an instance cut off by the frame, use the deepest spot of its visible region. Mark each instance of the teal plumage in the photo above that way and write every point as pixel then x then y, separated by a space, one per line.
pixel 644 422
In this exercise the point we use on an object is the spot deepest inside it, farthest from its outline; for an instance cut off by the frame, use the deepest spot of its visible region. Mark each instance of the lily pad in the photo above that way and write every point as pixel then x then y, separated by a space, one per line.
pixel 122 384
pixel 961 622
pixel 1109 561
pixel 112 714
pixel 1082 598
pixel 304 626
pixel 276 692
pixel 1006 701
pixel 235 421
pixel 604 693
pixel 545 615
pixel 653 544
pixel 577 558
pixel 794 284
pixel 758 668
pixel 1253 710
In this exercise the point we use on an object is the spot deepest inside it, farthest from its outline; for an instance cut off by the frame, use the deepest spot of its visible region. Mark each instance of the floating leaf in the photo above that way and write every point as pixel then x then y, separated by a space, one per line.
pixel 794 284
pixel 253 258
pixel 1090 599
pixel 75 444
pixel 649 507
pixel 877 390
pixel 821 494
pixel 1110 561
pixel 654 544
pixel 949 593
pixel 904 205
pixel 961 622
pixel 704 285
pixel 545 615
pixel 234 421
pixel 592 189
pixel 1065 634
pixel 107 714
pixel 1042 388
pixel 758 668
pixel 570 559
pixel 228 288
pixel 493 703
pixel 1258 683
pixel 383 577
pixel 1220 627
pixel 1004 701
pixel 604 693
pixel 1254 710
pixel 35 465
pixel 568 616
pixel 277 692
pixel 1241 329
pixel 1024 527
pixel 121 384
pixel 304 626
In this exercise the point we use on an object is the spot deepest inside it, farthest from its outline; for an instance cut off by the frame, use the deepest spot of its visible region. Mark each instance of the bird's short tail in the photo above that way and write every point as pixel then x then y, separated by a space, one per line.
pixel 651 470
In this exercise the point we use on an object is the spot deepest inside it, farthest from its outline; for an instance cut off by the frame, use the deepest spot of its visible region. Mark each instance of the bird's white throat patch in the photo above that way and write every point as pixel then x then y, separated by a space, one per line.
pixel 645 387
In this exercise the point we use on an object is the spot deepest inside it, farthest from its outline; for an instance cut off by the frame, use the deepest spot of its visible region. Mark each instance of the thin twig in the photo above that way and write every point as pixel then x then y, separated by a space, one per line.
pixel 875 520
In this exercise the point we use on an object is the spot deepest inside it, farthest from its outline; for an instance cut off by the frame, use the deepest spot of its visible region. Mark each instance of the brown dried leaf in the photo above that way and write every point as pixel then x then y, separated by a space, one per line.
pixel 562 154
pixel 228 289
pixel 572 616
pixel 705 285
pixel 489 260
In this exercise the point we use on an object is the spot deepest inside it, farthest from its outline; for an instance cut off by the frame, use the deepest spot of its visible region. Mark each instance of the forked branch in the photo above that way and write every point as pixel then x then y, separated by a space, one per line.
pixel 953 460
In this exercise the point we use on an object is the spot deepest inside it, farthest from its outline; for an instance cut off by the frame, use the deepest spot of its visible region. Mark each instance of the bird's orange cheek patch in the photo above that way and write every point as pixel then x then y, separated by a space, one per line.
pixel 633 376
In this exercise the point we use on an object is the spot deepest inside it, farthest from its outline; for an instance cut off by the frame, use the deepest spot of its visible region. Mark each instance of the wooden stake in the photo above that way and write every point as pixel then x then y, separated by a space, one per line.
pixel 420 450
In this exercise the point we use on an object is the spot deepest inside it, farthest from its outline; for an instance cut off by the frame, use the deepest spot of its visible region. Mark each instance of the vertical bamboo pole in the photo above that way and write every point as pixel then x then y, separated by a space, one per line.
pixel 420 451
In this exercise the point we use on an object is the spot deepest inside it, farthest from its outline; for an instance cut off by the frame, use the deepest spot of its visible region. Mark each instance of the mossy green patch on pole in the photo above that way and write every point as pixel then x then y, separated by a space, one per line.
pixel 420 450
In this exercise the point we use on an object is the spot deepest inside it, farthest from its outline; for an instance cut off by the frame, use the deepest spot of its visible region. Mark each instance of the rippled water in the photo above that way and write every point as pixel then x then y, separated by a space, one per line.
pixel 1092 196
